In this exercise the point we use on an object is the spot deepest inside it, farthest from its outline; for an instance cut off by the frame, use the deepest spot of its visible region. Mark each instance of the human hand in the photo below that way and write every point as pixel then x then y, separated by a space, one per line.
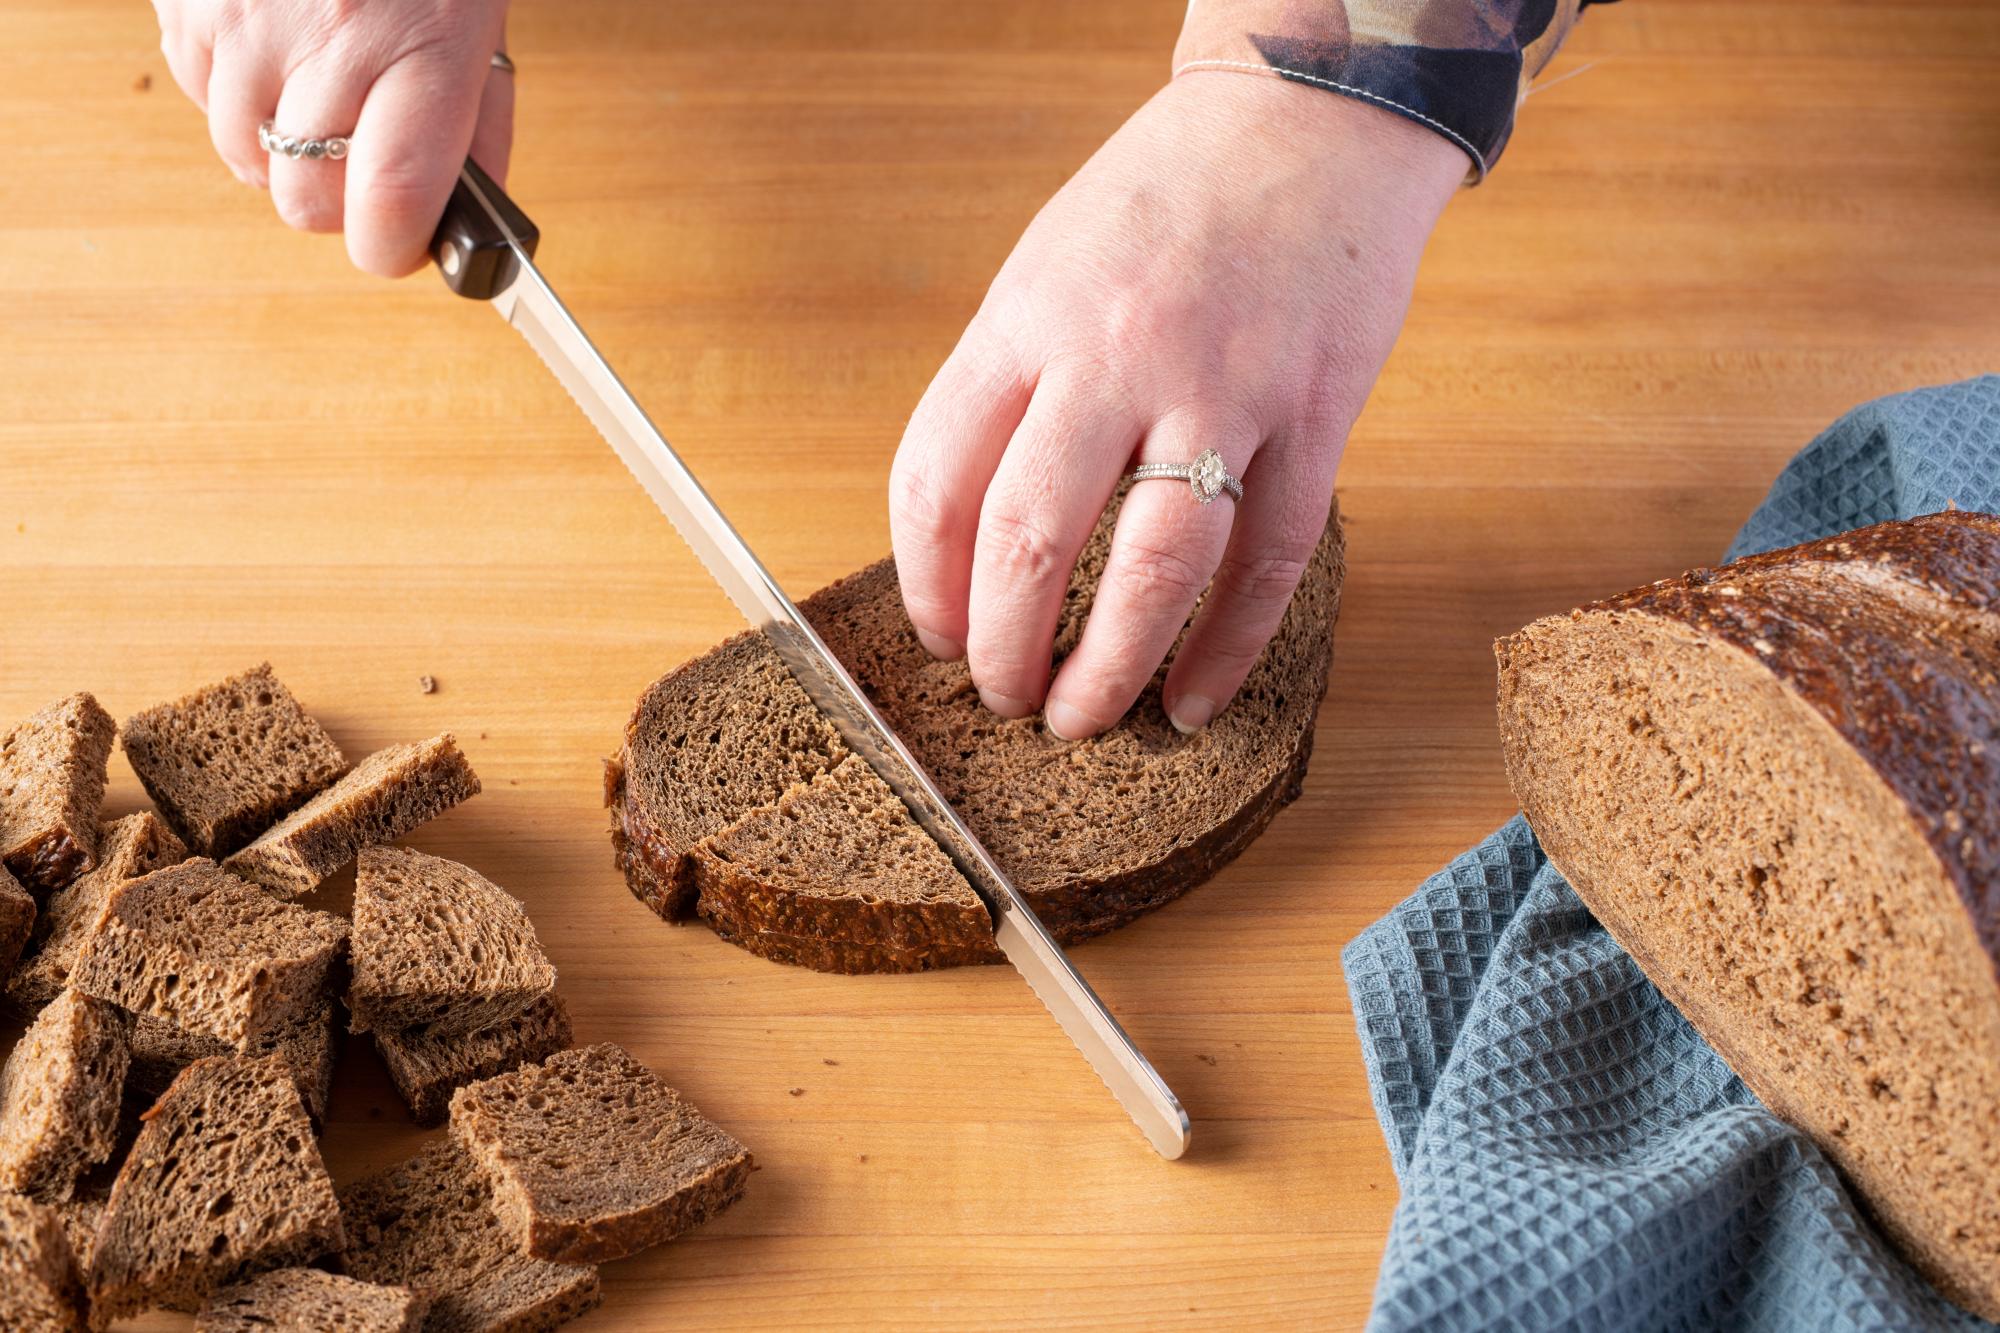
pixel 1229 271
pixel 410 82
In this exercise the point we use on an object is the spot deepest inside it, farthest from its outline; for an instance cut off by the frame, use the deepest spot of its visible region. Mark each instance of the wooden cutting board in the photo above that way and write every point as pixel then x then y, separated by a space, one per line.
pixel 218 444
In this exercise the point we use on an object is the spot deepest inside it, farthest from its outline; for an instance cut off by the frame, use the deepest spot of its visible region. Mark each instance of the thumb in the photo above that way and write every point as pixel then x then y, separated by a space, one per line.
pixel 493 133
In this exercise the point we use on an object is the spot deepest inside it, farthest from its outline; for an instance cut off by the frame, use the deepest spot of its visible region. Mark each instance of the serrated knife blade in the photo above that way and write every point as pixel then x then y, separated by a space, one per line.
pixel 485 249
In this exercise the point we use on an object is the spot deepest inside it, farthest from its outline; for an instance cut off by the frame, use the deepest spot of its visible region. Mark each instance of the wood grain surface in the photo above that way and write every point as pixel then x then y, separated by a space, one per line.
pixel 219 444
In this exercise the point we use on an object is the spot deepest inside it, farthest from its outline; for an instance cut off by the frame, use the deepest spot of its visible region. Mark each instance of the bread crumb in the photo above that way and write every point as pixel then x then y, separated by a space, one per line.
pixel 1205 1059
pixel 862 1157
pixel 429 685
pixel 829 1062
pixel 143 84
pixel 798 1092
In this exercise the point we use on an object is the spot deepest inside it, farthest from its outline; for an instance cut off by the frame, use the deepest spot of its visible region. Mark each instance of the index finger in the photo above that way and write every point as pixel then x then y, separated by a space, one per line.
pixel 408 143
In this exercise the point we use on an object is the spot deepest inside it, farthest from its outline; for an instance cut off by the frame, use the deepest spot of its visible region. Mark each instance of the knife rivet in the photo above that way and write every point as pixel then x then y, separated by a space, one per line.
pixel 449 259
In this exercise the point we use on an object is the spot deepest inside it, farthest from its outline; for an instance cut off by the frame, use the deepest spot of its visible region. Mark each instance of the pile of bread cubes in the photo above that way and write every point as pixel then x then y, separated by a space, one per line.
pixel 158 1117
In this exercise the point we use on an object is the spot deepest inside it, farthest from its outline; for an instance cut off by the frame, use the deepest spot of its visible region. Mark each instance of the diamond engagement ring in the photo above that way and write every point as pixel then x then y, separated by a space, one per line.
pixel 334 146
pixel 1206 476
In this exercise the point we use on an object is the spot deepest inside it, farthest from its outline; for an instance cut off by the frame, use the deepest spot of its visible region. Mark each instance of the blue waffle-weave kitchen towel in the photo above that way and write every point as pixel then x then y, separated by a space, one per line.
pixel 1572 1155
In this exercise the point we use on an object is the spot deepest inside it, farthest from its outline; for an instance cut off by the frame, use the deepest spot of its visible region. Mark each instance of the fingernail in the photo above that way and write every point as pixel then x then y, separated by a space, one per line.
pixel 1005 705
pixel 1067 723
pixel 943 649
pixel 1191 713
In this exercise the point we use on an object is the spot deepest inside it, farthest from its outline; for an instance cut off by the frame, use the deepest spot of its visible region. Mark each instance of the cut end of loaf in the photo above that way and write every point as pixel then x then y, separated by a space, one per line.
pixel 1776 887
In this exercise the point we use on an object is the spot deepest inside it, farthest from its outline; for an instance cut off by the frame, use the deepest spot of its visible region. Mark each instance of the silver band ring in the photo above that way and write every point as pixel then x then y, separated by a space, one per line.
pixel 333 147
pixel 503 62
pixel 1206 476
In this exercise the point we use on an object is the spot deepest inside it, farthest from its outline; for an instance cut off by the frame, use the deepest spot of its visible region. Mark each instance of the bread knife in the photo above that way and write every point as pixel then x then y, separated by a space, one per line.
pixel 485 247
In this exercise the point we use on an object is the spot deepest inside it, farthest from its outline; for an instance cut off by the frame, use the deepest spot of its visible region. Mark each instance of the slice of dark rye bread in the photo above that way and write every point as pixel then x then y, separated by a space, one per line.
pixel 39 1290
pixel 1094 832
pixel 1777 783
pixel 305 1300
pixel 439 946
pixel 592 1158
pixel 428 1224
pixel 308 1044
pixel 797 868
pixel 226 762
pixel 224 1181
pixel 209 953
pixel 427 1069
pixel 60 1092
pixel 17 923
pixel 52 777
pixel 127 848
pixel 385 796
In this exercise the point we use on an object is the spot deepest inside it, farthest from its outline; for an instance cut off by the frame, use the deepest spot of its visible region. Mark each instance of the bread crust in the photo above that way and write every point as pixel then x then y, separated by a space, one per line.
pixel 1884 646
pixel 675 875
pixel 1932 735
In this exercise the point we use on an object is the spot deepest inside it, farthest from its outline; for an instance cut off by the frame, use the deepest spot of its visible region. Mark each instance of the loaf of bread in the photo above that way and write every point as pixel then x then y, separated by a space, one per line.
pixel 60 1091
pixel 732 798
pixel 52 778
pixel 226 762
pixel 385 796
pixel 428 1224
pixel 209 953
pixel 1777 783
pixel 224 1181
pixel 127 848
pixel 39 1290
pixel 591 1158
pixel 427 1068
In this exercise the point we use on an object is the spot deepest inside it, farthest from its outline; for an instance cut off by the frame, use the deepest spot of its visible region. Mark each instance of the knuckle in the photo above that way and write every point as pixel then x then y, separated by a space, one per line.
pixel 1263 579
pixel 1020 549
pixel 921 510
pixel 1157 573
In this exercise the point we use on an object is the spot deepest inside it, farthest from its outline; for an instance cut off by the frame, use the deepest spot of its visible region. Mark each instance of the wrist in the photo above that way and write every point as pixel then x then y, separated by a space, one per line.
pixel 1332 136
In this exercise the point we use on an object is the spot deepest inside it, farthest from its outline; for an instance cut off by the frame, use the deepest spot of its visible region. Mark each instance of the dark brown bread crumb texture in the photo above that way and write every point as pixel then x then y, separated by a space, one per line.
pixel 1094 832
pixel 1778 785
pixel 427 1069
pixel 59 1097
pixel 52 776
pixel 844 836
pixel 231 759
pixel 224 1181
pixel 439 946
pixel 309 1045
pixel 39 1291
pixel 428 1224
pixel 80 1215
pixel 128 848
pixel 305 1300
pixel 389 793
pixel 209 953
pixel 592 1158
pixel 17 923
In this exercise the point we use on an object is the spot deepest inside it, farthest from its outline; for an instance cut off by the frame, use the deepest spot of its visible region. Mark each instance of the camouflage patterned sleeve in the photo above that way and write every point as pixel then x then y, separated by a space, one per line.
pixel 1457 66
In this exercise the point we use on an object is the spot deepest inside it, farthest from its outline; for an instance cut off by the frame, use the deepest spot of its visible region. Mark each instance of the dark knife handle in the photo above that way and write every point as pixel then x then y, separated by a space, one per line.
pixel 471 244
